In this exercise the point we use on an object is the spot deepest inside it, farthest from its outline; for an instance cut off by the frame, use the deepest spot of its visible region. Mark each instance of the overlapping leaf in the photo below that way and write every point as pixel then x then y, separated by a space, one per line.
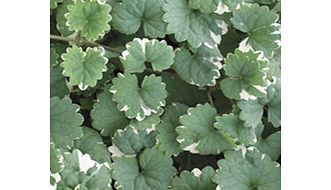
pixel 197 133
pixel 246 74
pixel 197 179
pixel 140 51
pixel 250 170
pixel 130 15
pixel 149 170
pixel 65 122
pixel 198 66
pixel 138 101
pixel 205 6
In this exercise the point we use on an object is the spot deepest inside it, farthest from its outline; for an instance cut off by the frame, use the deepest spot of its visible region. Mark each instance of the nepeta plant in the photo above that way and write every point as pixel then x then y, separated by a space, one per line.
pixel 165 94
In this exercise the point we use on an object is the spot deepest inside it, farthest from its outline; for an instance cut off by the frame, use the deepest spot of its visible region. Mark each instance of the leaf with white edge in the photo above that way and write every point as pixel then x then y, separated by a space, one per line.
pixel 247 170
pixel 81 172
pixel 167 133
pixel 65 122
pixel 149 123
pixel 151 170
pixel 89 17
pixel 130 15
pixel 53 4
pixel 204 6
pixel 138 102
pixel 261 26
pixel 246 76
pixel 274 103
pixel 274 65
pixel 130 141
pixel 230 124
pixel 91 143
pixel 197 179
pixel 140 51
pixel 251 112
pixel 198 134
pixel 58 85
pixel 192 25
pixel 84 68
pixel 199 66
pixel 56 164
pixel 105 116
pixel 61 10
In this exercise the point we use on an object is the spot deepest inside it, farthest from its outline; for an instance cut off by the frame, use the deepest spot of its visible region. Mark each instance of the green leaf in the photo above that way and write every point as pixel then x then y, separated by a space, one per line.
pixel 149 123
pixel 197 179
pixel 270 145
pixel 192 25
pixel 260 24
pixel 140 51
pixel 89 17
pixel 62 10
pixel 204 6
pixel 232 4
pixel 274 103
pixel 91 143
pixel 65 122
pixel 197 133
pixel 130 141
pixel 56 164
pixel 251 112
pixel 230 124
pixel 274 65
pixel 151 170
pixel 138 102
pixel 182 92
pixel 84 68
pixel 130 15
pixel 167 128
pixel 53 4
pixel 250 170
pixel 198 66
pixel 105 116
pixel 58 85
pixel 246 77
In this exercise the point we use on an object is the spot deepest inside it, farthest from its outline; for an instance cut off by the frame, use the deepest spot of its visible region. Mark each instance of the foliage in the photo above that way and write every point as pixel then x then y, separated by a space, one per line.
pixel 165 94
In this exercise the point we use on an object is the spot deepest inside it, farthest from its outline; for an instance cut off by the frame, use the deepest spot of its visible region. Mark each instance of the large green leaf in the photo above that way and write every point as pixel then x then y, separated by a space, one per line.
pixel 251 112
pixel 91 143
pixel 198 66
pixel 260 24
pixel 197 133
pixel 246 77
pixel 151 170
pixel 195 180
pixel 89 17
pixel 138 102
pixel 192 25
pixel 167 133
pixel 141 51
pixel 65 122
pixel 247 171
pixel 274 103
pixel 105 115
pixel 130 15
pixel 84 68
pixel 58 85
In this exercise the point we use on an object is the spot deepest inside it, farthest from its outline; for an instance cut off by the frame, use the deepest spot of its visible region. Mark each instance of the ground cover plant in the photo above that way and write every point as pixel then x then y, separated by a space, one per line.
pixel 165 94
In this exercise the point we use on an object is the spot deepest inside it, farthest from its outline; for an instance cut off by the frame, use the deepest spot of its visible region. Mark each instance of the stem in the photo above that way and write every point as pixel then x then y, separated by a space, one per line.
pixel 67 39
pixel 210 98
